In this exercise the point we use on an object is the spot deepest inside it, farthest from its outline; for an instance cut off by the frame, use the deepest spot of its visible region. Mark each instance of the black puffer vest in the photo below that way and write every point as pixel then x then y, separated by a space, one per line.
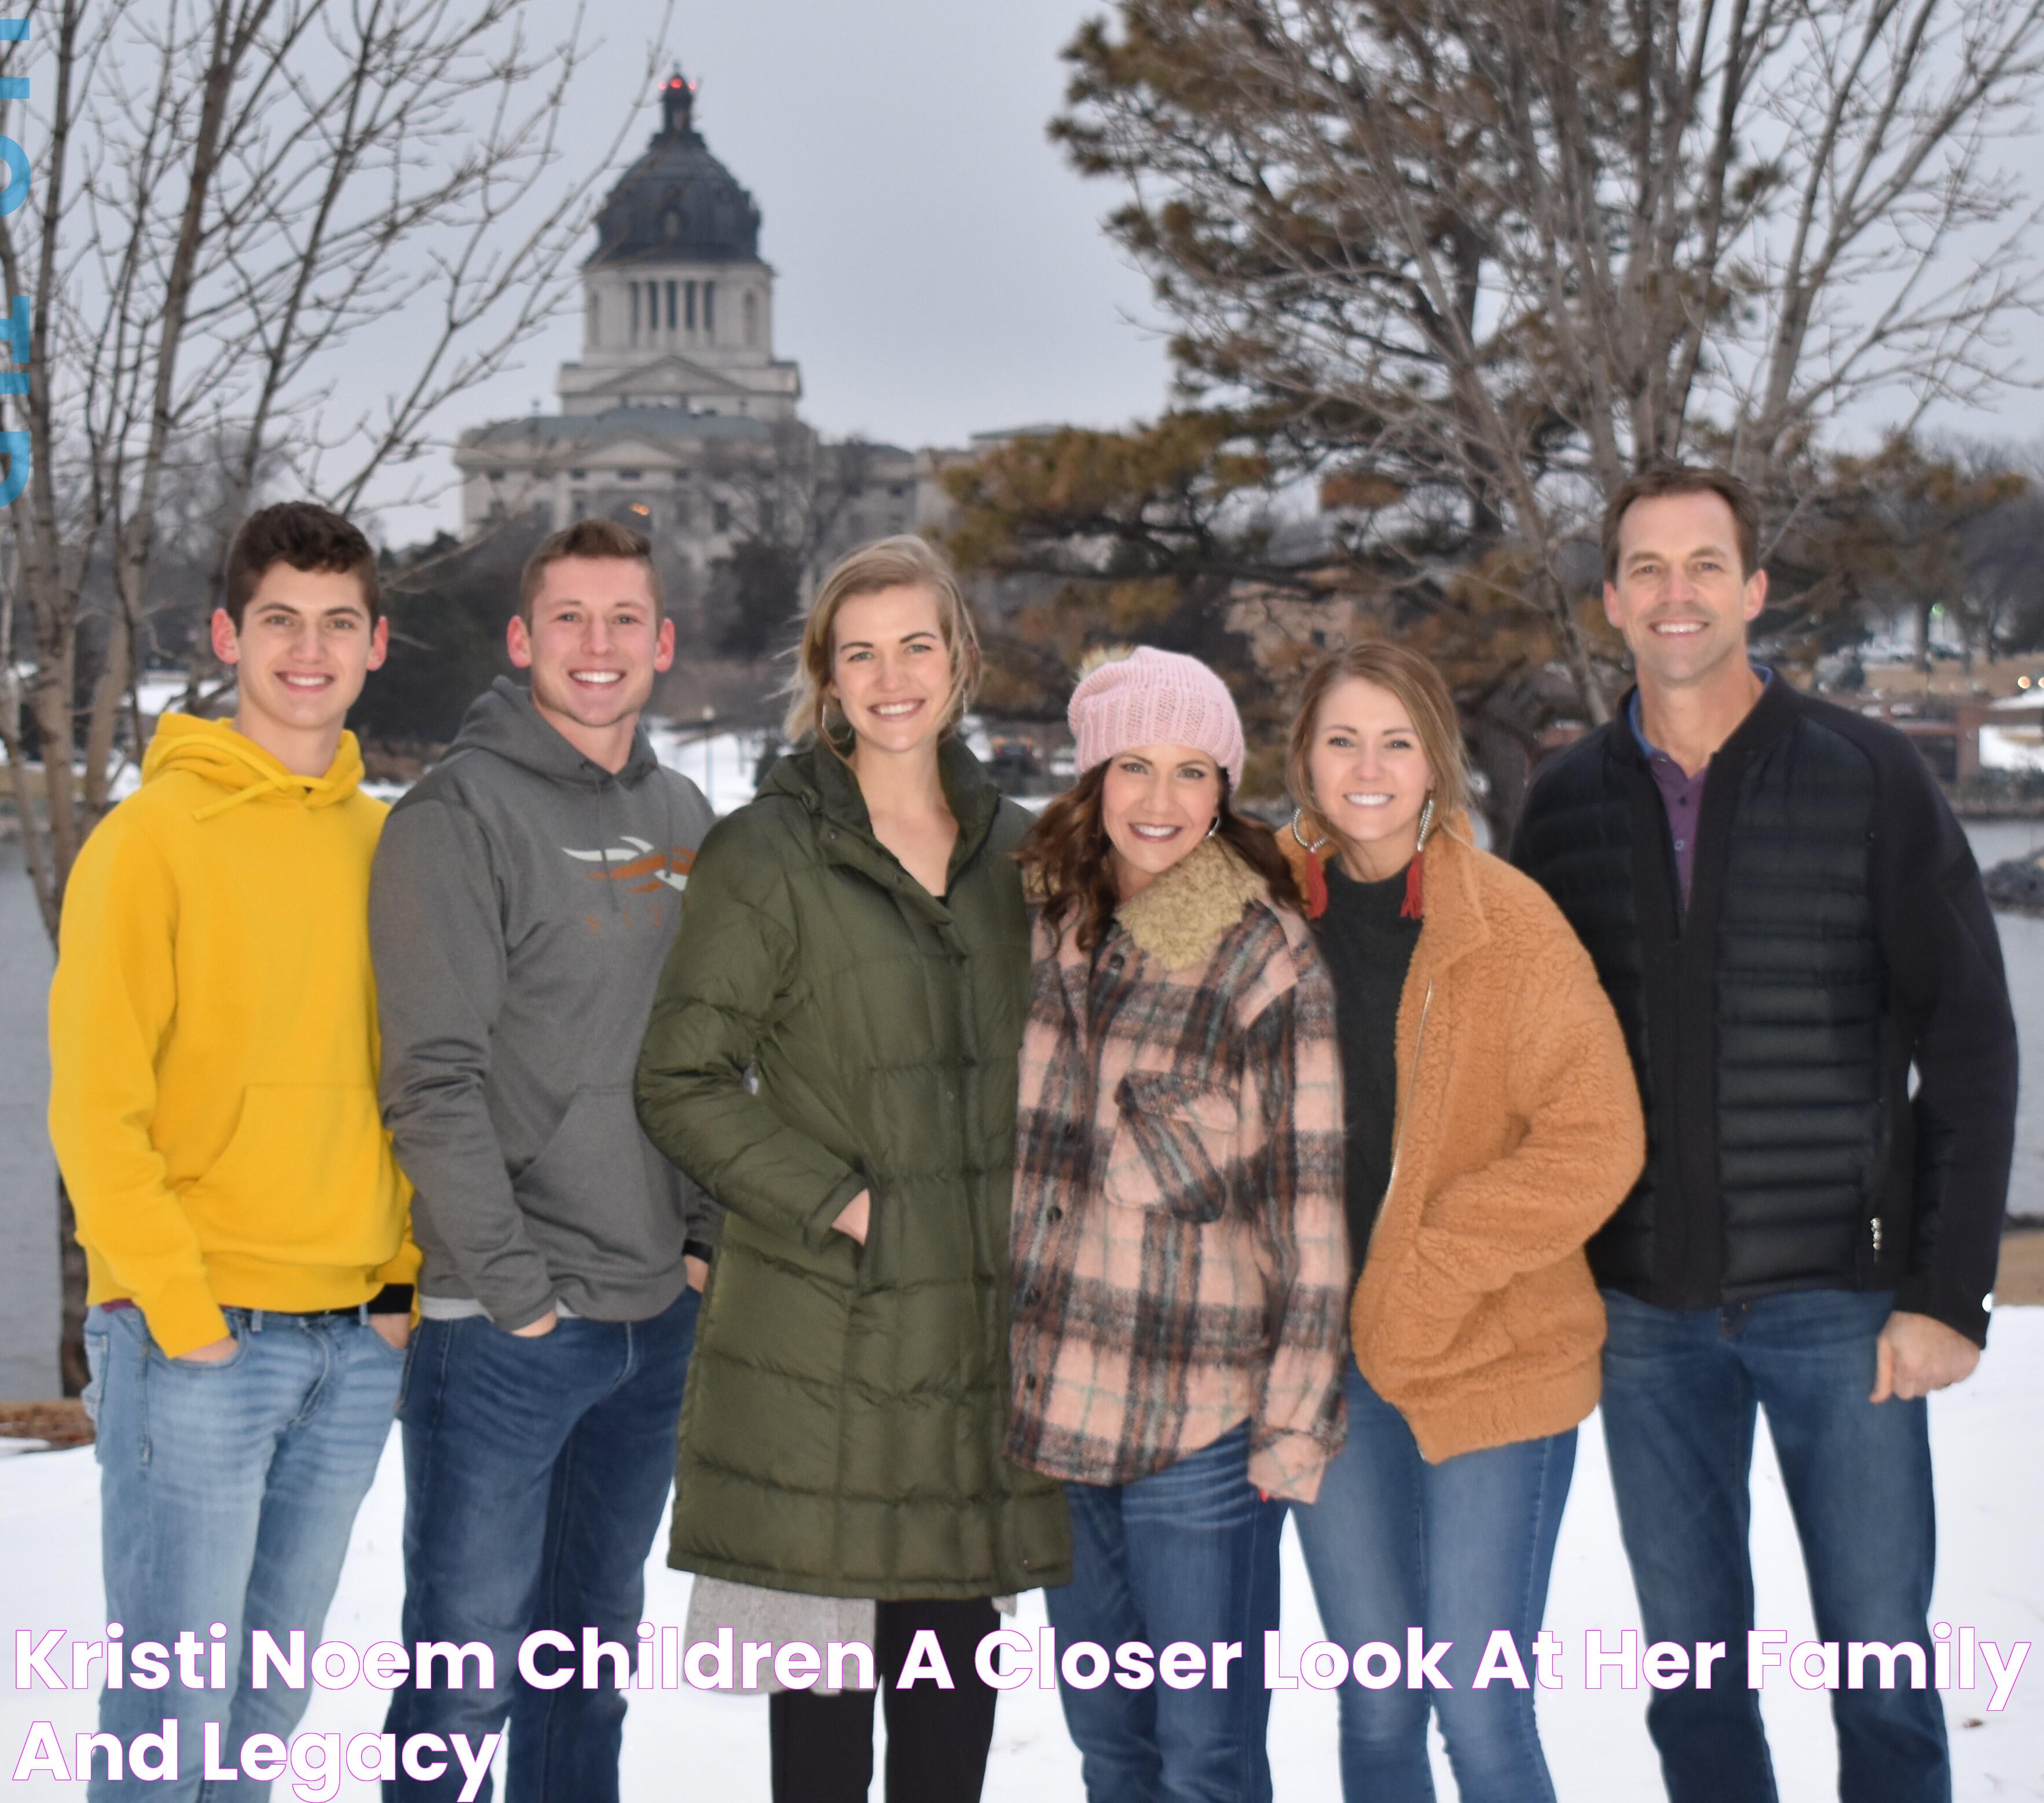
pixel 1781 1150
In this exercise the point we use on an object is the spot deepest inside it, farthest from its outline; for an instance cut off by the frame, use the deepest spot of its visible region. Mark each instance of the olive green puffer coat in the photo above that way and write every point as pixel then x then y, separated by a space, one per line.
pixel 842 1432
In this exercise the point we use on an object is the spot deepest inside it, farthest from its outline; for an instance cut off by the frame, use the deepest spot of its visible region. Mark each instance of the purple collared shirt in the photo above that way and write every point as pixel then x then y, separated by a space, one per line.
pixel 1681 794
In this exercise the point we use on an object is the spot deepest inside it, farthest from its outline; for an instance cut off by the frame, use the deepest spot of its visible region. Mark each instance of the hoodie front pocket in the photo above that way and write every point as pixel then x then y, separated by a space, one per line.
pixel 1174 1145
pixel 592 1172
pixel 307 1178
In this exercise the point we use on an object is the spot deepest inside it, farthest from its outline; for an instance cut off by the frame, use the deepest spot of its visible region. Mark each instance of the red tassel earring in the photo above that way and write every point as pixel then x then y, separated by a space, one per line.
pixel 1316 870
pixel 1414 907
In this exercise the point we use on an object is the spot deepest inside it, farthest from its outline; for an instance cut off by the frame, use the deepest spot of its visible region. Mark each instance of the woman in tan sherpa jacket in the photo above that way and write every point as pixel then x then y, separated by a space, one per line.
pixel 1492 1125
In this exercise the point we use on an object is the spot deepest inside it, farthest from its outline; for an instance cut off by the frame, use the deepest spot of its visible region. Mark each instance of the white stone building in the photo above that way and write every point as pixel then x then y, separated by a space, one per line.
pixel 678 418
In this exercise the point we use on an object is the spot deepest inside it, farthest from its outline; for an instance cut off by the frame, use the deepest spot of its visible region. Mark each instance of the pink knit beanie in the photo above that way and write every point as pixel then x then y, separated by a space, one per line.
pixel 1155 697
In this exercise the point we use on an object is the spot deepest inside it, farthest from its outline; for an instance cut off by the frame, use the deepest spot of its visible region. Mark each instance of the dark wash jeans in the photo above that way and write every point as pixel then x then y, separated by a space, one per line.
pixel 535 1473
pixel 1461 1548
pixel 1680 1393
pixel 1188 1553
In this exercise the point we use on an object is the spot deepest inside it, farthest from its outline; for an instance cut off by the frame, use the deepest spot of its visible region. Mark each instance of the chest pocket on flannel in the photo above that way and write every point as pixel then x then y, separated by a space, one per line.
pixel 1174 1145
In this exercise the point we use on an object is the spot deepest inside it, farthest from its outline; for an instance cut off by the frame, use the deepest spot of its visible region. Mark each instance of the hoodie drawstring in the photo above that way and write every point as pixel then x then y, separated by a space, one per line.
pixel 270 783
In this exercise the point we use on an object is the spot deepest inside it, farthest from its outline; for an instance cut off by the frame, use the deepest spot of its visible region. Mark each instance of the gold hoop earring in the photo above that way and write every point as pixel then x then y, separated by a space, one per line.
pixel 1314 845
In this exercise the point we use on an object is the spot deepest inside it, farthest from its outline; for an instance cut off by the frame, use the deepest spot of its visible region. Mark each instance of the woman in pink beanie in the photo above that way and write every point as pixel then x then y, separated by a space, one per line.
pixel 1179 1254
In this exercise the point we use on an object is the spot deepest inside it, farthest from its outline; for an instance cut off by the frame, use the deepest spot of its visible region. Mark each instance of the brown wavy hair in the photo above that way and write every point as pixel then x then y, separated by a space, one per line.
pixel 1067 865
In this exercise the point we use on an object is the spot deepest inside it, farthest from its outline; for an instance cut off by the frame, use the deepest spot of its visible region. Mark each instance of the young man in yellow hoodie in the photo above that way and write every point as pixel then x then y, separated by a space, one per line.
pixel 213 1102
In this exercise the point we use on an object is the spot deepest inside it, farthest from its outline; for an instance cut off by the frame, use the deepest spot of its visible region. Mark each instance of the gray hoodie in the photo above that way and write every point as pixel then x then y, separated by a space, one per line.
pixel 522 905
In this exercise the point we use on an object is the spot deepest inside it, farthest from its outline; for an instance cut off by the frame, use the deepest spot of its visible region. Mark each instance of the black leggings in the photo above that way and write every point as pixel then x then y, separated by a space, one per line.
pixel 937 1740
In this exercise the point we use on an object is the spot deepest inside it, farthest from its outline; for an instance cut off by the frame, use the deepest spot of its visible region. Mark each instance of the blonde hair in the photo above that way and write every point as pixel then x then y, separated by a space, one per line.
pixel 1424 692
pixel 903 561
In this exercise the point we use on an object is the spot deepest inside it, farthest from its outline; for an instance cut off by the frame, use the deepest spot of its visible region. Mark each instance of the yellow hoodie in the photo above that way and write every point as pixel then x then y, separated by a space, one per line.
pixel 213 1042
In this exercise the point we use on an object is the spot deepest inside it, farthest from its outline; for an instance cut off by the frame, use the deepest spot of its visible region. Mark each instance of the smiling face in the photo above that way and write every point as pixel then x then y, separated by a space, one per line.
pixel 1680 597
pixel 305 645
pixel 1370 777
pixel 594 643
pixel 890 668
pixel 1156 803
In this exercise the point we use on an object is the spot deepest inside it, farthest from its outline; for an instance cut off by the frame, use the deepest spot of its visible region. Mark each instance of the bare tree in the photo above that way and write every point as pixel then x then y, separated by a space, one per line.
pixel 795 492
pixel 228 198
pixel 1503 252
pixel 791 503
pixel 1919 530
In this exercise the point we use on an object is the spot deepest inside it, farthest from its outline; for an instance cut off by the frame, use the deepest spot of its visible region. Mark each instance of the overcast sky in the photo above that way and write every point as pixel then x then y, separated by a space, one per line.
pixel 941 270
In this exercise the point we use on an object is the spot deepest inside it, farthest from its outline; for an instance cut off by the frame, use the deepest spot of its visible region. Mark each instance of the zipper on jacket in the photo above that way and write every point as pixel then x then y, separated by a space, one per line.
pixel 1398 1130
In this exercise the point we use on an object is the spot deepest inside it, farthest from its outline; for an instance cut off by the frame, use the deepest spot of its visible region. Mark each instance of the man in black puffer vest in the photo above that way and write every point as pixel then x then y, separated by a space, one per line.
pixel 1787 919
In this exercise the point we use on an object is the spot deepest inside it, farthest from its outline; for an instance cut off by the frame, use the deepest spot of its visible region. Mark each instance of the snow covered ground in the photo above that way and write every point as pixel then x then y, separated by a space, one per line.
pixel 723 764
pixel 1990 1459
pixel 2010 748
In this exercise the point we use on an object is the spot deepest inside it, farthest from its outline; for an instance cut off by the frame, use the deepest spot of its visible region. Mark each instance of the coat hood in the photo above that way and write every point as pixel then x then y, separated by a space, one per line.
pixel 503 720
pixel 225 757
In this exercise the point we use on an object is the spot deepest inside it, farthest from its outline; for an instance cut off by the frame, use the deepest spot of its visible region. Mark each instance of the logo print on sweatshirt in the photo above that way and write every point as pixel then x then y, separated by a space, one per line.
pixel 636 865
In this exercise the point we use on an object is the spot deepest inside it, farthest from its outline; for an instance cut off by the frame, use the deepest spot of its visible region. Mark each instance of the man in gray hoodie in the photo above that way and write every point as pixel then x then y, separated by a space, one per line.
pixel 524 896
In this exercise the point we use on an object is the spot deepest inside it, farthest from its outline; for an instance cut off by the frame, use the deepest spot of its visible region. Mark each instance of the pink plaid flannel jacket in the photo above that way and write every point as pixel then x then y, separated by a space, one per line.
pixel 1180 1249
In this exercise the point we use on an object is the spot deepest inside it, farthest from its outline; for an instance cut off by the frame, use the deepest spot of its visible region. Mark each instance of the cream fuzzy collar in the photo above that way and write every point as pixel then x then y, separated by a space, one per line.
pixel 1181 916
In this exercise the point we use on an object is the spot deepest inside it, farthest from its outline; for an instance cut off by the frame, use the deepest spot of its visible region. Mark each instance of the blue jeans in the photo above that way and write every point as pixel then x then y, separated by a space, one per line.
pixel 1190 1553
pixel 1680 1392
pixel 1461 1549
pixel 535 1473
pixel 227 1492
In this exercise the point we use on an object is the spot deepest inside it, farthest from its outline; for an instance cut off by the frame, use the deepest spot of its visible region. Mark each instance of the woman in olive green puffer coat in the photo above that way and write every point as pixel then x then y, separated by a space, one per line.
pixel 846 1405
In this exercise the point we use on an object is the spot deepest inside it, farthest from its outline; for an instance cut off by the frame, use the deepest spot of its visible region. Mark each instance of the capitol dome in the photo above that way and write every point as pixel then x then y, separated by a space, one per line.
pixel 677 202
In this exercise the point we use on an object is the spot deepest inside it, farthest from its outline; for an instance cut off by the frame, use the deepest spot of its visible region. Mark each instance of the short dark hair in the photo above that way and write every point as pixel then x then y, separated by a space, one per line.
pixel 1659 479
pixel 588 538
pixel 307 536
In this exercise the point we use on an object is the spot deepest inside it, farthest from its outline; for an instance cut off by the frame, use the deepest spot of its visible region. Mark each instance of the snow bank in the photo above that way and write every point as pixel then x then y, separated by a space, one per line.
pixel 721 765
pixel 1990 1460
pixel 2010 747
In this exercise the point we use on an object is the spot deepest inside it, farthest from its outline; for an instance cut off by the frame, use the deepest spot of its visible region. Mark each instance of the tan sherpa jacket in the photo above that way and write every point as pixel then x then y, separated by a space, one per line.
pixel 1518 1131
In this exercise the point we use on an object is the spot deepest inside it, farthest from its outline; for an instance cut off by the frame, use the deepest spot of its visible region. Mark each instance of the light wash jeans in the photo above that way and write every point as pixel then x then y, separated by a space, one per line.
pixel 1188 1553
pixel 227 1492
pixel 1459 1549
